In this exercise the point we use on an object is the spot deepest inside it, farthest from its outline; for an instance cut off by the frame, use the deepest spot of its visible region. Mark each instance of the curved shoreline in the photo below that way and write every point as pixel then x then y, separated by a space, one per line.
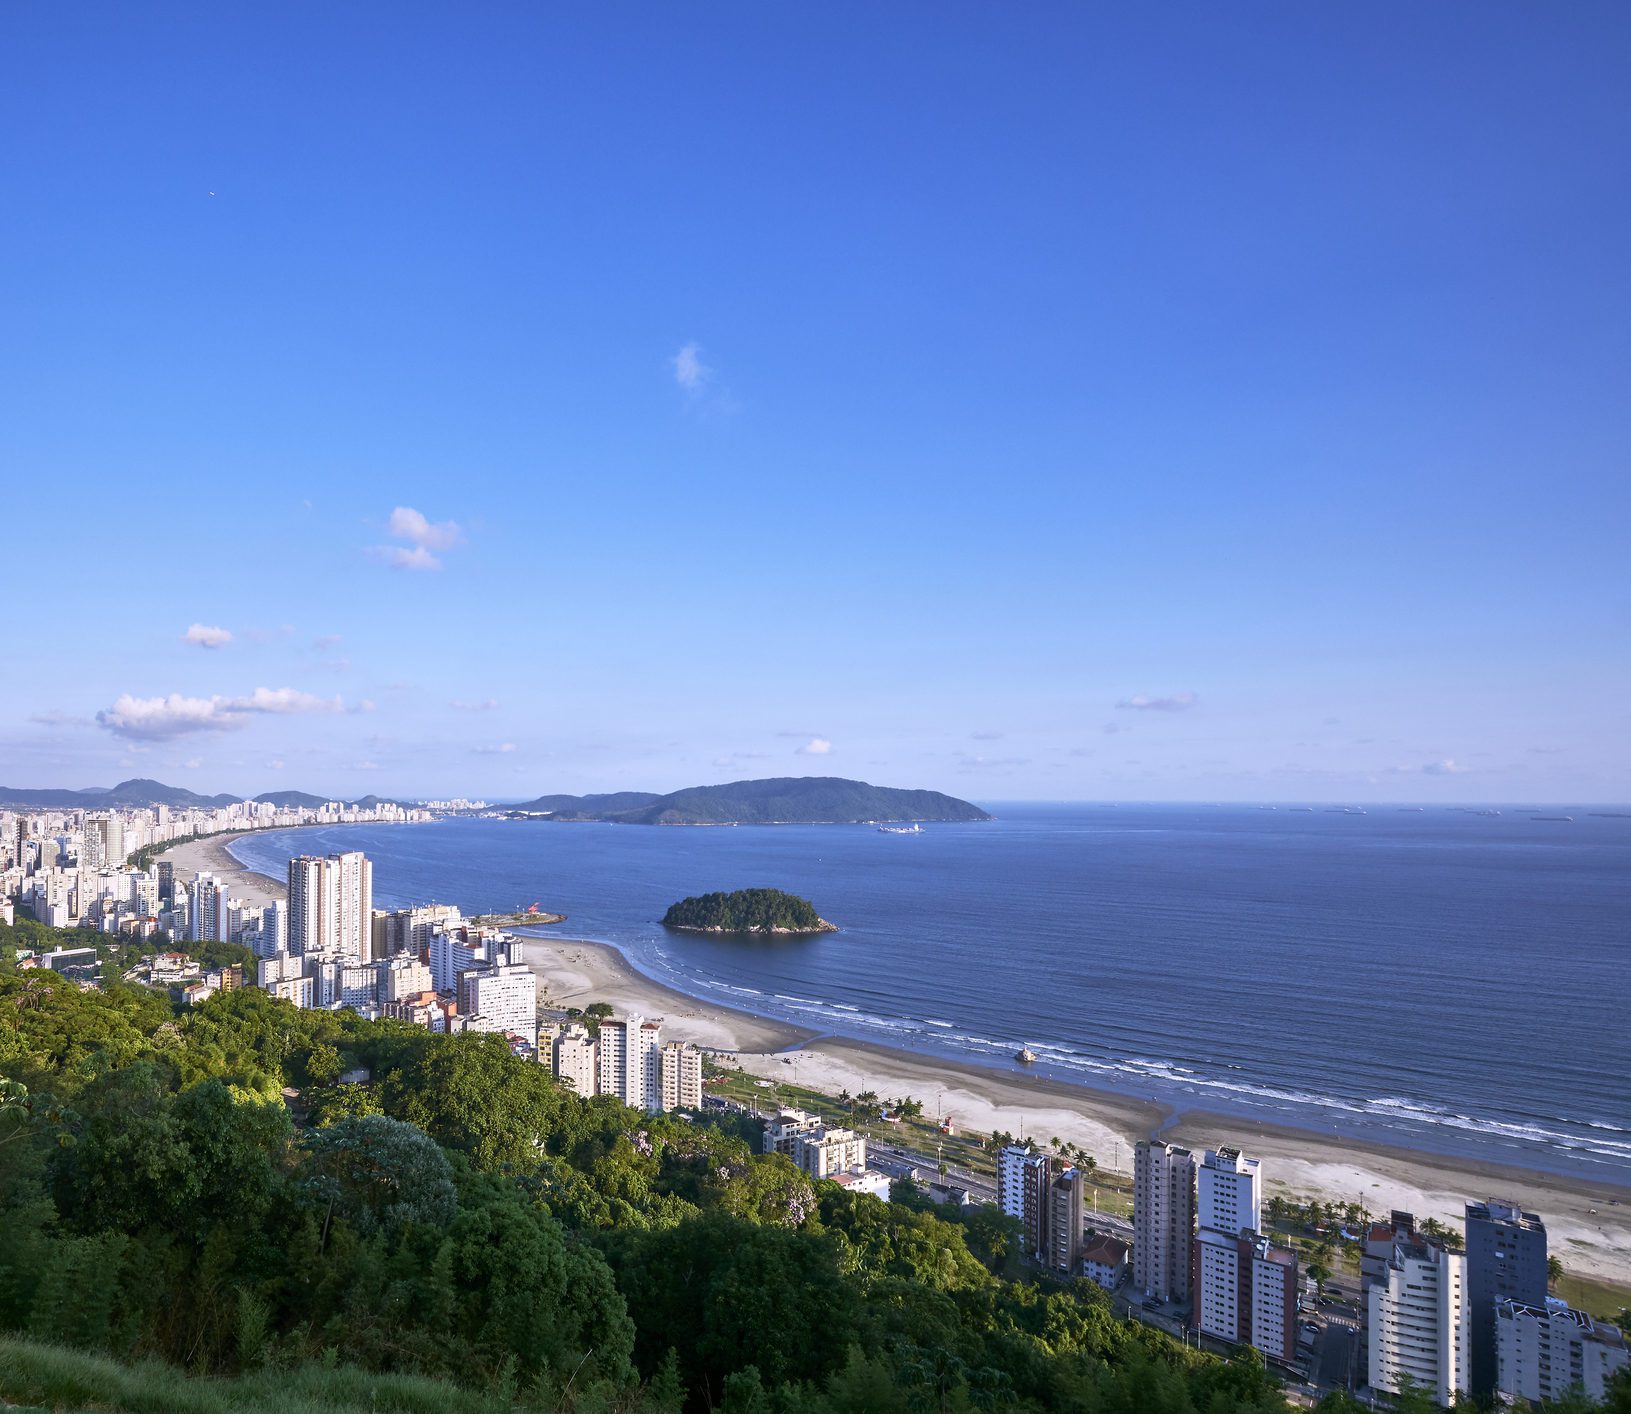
pixel 1590 1220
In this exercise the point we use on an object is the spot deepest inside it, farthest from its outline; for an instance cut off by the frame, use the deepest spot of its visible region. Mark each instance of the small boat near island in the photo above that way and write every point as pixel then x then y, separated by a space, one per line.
pixel 1025 1056
pixel 913 829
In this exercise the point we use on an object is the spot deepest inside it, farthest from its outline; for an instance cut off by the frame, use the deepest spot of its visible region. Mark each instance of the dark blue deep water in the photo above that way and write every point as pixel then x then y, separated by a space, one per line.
pixel 1439 979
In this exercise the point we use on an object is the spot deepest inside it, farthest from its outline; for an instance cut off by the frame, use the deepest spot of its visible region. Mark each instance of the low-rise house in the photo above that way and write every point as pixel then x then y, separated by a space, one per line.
pixel 1104 1260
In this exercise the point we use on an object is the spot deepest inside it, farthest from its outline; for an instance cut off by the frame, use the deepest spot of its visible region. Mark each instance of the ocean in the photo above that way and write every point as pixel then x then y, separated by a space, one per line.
pixel 1437 979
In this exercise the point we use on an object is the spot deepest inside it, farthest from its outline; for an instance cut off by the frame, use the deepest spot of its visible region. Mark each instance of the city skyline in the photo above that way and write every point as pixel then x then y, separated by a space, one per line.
pixel 1095 406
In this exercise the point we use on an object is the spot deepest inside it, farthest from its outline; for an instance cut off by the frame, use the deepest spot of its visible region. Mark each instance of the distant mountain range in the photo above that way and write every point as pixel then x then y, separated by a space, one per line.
pixel 144 794
pixel 784 800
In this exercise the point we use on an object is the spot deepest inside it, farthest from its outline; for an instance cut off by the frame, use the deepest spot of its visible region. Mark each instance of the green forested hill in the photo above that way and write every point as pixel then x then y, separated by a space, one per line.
pixel 747 911
pixel 783 800
pixel 461 1218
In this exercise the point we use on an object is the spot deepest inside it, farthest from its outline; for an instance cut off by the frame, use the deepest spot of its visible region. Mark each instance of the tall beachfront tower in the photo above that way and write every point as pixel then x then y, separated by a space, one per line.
pixel 1506 1261
pixel 1163 1219
pixel 331 905
pixel 1023 1177
pixel 1416 1318
pixel 1229 1189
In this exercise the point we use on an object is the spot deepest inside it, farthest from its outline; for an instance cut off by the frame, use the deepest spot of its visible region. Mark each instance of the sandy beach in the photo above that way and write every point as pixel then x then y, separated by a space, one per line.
pixel 1589 1224
pixel 210 856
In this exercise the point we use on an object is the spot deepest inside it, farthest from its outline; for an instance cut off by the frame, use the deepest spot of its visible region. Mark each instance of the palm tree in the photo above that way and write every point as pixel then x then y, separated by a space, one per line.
pixel 1319 1274
pixel 1554 1271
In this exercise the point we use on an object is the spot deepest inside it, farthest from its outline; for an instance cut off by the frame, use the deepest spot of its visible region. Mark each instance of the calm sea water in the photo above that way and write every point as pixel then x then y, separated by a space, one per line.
pixel 1436 978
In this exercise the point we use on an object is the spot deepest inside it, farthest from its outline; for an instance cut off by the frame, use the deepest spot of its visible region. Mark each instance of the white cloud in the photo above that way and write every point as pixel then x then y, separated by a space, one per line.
pixel 1446 767
pixel 274 765
pixel 985 736
pixel 487 704
pixel 504 748
pixel 192 763
pixel 690 372
pixel 54 718
pixel 815 746
pixel 1178 702
pixel 401 557
pixel 158 718
pixel 422 536
pixel 991 763
pixel 207 637
pixel 326 641
pixel 410 525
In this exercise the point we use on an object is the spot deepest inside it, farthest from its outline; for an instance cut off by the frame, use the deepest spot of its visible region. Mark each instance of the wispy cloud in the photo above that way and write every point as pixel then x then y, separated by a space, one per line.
pixel 487 704
pixel 690 372
pixel 1446 767
pixel 57 719
pixel 323 642
pixel 206 636
pixel 1141 702
pixel 160 718
pixel 991 763
pixel 268 635
pixel 423 540
pixel 503 748
pixel 735 757
pixel 985 736
pixel 815 746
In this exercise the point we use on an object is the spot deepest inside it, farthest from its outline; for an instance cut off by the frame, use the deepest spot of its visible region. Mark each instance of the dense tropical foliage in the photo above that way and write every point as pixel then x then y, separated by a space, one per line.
pixel 747 911
pixel 197 1187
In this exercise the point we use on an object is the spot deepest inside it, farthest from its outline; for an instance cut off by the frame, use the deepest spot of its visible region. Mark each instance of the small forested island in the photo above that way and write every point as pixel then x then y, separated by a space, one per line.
pixel 747 911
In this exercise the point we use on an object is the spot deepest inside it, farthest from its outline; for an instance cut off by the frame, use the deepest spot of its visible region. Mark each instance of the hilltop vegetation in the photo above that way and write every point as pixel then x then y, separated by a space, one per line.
pixel 747 911
pixel 462 1218
pixel 784 800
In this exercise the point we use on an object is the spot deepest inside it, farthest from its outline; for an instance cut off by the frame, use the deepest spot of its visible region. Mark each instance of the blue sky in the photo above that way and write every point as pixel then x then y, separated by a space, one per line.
pixel 1057 401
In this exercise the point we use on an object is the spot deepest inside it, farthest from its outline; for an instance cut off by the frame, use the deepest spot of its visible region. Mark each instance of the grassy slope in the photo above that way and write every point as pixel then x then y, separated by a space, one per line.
pixel 40 1377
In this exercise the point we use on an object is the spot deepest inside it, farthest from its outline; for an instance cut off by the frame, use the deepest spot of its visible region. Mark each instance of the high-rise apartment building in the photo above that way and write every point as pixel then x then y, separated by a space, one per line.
pixel 1228 1206
pixel 1163 1219
pixel 825 1152
pixel 575 1059
pixel 331 904
pixel 505 998
pixel 1544 1352
pixel 682 1076
pixel 782 1134
pixel 207 909
pixel 1416 1319
pixel 1272 1321
pixel 1064 1222
pixel 622 1061
pixel 1023 1181
pixel 649 1038
pixel 408 930
pixel 1506 1261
